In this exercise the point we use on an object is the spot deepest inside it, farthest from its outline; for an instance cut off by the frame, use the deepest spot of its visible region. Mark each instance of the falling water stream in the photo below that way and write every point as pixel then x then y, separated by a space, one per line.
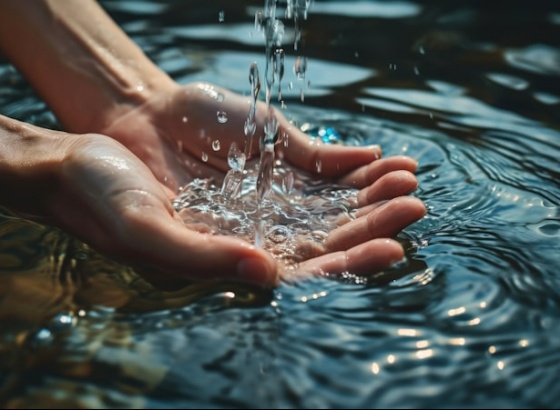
pixel 263 205
pixel 469 88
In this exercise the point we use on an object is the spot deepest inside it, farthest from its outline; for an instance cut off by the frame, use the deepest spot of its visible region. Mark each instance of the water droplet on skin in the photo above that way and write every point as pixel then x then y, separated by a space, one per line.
pixel 318 166
pixel 204 156
pixel 216 145
pixel 210 91
pixel 222 117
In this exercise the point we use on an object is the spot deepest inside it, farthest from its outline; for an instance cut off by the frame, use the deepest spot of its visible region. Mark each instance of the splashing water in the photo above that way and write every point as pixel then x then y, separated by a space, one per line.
pixel 291 224
pixel 274 71
pixel 232 182
pixel 269 205
pixel 251 123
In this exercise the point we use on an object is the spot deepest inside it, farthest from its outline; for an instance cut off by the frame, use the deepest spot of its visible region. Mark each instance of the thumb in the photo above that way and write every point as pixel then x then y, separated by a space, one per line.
pixel 171 247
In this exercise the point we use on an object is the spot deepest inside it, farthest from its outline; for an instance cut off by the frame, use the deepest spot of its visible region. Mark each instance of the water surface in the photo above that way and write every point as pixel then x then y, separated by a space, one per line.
pixel 472 319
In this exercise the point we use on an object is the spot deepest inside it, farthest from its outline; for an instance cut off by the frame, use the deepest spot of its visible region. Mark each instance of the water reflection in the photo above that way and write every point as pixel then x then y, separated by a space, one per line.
pixel 470 319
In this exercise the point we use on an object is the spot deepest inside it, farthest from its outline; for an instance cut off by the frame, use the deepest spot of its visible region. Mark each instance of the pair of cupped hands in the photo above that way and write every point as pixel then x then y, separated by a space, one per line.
pixel 116 185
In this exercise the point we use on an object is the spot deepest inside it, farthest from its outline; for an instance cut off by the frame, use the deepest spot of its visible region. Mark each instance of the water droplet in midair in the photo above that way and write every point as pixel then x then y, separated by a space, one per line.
pixel 222 117
pixel 249 128
pixel 236 158
pixel 271 124
pixel 221 16
pixel 278 68
pixel 216 145
pixel 300 66
pixel 258 20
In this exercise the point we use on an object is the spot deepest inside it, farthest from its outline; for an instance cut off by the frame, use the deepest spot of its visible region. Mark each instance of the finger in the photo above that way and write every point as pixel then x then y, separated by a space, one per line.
pixel 161 241
pixel 370 173
pixel 385 221
pixel 325 160
pixel 388 186
pixel 368 257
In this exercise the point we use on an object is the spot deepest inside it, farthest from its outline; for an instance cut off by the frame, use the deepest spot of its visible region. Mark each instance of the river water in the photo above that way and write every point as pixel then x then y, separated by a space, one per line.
pixel 471 319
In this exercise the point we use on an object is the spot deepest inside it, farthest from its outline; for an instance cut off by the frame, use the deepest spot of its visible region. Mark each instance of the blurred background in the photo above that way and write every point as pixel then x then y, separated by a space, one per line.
pixel 470 320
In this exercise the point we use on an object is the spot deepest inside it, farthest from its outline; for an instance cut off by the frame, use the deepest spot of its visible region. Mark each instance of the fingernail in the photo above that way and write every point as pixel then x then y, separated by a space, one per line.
pixel 257 271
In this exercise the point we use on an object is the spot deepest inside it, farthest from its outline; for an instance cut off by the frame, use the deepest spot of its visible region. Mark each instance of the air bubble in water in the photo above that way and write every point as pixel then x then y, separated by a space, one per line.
pixel 222 117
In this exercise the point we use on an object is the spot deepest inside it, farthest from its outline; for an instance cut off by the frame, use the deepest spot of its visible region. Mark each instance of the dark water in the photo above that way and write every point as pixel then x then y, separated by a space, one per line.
pixel 470 89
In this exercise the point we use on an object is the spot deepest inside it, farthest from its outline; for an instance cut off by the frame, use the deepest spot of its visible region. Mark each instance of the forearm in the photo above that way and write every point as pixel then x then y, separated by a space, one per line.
pixel 80 62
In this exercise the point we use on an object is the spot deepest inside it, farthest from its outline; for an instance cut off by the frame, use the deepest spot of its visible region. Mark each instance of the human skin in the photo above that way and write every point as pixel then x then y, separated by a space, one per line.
pixel 134 136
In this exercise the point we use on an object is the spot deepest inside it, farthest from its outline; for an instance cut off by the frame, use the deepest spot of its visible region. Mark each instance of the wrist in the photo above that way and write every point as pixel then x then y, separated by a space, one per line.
pixel 119 100
pixel 30 162
pixel 80 62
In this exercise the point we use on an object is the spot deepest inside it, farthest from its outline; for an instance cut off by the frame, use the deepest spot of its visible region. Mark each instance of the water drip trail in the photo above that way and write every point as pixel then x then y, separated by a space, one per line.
pixel 274 72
